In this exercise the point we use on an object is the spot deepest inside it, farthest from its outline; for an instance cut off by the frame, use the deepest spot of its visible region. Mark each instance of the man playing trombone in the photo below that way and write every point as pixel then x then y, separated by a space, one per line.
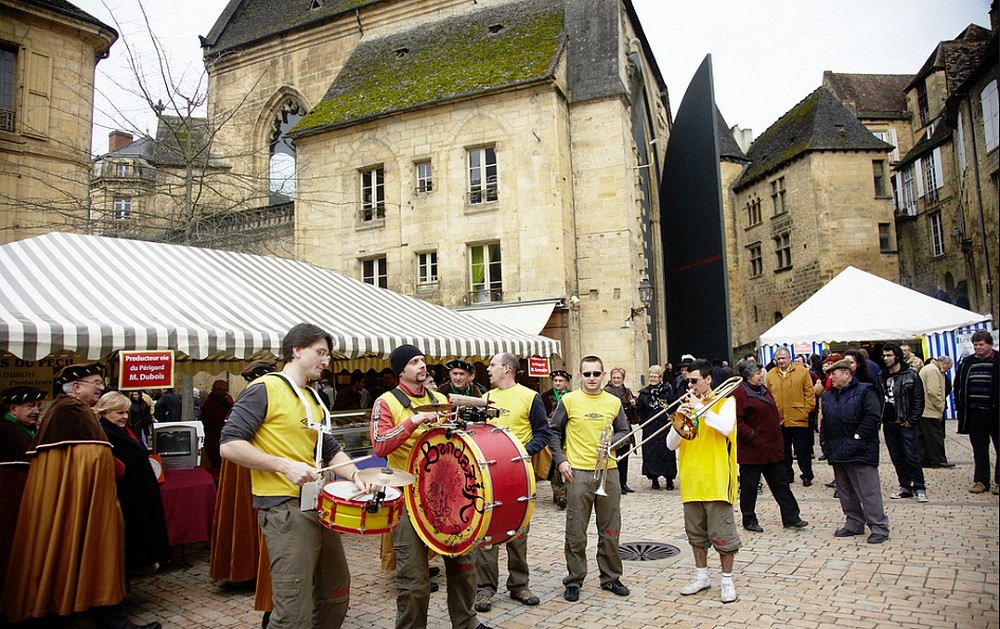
pixel 591 419
pixel 707 465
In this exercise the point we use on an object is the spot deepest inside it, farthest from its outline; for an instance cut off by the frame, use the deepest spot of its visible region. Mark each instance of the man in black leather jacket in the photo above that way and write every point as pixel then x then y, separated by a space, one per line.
pixel 904 404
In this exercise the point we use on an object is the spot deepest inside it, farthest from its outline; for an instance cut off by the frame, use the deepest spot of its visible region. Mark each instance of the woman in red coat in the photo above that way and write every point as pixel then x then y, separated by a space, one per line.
pixel 761 449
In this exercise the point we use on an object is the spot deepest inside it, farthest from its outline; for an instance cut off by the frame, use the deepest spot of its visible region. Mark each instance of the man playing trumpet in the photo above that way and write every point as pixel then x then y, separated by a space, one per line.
pixel 707 466
pixel 590 418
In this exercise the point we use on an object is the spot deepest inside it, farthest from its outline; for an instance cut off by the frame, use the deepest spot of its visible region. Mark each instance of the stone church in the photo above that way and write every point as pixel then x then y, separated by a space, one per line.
pixel 501 156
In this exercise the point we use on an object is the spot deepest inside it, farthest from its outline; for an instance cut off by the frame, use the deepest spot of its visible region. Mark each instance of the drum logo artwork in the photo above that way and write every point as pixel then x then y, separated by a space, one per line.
pixel 451 484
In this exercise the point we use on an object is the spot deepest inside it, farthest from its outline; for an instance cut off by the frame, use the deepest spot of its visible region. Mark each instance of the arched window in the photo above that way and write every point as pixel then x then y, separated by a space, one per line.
pixel 281 159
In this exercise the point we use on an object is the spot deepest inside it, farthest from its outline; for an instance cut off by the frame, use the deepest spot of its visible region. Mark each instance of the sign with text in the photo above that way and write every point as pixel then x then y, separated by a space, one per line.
pixel 145 370
pixel 538 367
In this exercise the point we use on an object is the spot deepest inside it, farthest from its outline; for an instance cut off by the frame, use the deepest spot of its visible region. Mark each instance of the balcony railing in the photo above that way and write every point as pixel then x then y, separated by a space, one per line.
pixel 8 120
pixel 484 296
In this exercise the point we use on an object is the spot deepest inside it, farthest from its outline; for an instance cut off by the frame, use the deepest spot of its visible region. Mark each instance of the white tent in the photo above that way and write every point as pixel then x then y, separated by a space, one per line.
pixel 92 295
pixel 859 306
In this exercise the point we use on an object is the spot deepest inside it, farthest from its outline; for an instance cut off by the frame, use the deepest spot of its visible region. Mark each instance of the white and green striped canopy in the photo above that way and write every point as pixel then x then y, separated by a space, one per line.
pixel 92 295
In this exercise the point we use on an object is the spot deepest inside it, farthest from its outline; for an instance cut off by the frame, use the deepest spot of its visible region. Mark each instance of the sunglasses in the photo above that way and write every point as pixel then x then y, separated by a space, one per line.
pixel 694 380
pixel 592 374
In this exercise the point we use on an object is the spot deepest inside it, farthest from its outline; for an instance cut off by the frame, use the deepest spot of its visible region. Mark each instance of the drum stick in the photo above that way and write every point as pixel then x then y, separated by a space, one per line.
pixel 333 467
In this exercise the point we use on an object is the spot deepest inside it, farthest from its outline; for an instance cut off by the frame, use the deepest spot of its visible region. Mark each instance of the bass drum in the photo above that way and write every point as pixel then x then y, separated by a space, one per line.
pixel 472 486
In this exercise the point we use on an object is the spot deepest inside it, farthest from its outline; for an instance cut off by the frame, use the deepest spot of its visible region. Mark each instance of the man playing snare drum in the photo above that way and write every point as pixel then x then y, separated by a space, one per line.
pixel 395 428
pixel 265 432
pixel 585 416
pixel 523 414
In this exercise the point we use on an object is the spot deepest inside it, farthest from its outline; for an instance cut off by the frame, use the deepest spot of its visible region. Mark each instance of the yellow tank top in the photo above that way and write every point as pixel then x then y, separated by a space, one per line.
pixel 707 463
pixel 283 433
pixel 587 416
pixel 515 413
pixel 399 457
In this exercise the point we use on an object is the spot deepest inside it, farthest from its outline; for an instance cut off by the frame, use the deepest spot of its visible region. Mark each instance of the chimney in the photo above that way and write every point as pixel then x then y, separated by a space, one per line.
pixel 118 139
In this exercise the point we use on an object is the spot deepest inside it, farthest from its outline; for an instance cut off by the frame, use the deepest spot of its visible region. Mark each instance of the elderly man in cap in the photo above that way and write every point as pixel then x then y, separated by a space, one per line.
pixel 395 428
pixel 69 529
pixel 849 437
pixel 551 398
pixel 461 379
pixel 22 407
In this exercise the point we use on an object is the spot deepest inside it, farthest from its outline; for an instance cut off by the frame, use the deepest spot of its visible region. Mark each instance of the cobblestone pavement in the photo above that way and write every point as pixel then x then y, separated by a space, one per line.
pixel 939 569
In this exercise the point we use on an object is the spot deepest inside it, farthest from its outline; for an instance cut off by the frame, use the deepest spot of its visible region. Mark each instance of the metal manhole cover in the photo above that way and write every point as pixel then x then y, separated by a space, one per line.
pixel 646 551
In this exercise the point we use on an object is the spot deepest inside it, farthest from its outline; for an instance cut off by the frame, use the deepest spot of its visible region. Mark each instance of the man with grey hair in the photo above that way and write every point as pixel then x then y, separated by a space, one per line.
pixel 930 430
pixel 792 388
pixel 523 414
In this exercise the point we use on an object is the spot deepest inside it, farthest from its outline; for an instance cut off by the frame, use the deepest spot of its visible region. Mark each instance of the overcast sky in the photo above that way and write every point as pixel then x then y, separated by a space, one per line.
pixel 767 55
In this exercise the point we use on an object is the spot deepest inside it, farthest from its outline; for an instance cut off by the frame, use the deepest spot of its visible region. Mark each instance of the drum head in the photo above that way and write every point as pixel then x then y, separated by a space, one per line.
pixel 344 489
pixel 448 499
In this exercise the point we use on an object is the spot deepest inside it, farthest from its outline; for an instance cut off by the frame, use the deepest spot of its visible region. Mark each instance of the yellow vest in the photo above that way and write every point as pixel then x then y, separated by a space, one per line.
pixel 587 417
pixel 399 457
pixel 707 463
pixel 283 433
pixel 515 410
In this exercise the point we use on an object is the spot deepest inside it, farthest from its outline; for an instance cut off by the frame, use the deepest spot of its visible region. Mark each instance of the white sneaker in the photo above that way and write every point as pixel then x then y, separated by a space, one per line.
pixel 728 591
pixel 695 585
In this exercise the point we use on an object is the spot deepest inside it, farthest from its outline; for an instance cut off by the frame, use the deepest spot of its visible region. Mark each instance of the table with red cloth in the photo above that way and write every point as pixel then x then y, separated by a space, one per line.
pixel 188 503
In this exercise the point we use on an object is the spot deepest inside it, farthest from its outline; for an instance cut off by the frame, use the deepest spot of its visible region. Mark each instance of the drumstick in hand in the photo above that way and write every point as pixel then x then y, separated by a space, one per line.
pixel 333 467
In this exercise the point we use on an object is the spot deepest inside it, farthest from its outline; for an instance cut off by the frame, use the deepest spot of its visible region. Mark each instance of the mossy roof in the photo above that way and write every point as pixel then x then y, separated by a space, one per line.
pixel 871 95
pixel 244 22
pixel 819 123
pixel 443 60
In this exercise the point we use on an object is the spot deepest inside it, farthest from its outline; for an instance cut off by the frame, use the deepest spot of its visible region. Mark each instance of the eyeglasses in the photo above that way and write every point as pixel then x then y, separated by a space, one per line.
pixel 592 374
pixel 96 383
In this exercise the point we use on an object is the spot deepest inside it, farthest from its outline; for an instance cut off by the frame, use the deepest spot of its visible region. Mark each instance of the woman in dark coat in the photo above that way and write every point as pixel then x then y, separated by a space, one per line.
pixel 138 492
pixel 657 459
pixel 761 449
pixel 617 388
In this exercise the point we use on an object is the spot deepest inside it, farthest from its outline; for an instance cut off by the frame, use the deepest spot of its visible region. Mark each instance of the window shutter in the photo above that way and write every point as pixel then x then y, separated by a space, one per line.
pixel 918 178
pixel 894 156
pixel 896 205
pixel 938 170
pixel 38 93
pixel 960 128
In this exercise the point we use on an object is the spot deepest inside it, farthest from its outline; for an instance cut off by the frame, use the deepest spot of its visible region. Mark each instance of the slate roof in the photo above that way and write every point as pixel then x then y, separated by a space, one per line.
pixel 958 57
pixel 728 148
pixel 142 147
pixel 820 122
pixel 443 60
pixel 70 9
pixel 244 22
pixel 871 95
pixel 170 133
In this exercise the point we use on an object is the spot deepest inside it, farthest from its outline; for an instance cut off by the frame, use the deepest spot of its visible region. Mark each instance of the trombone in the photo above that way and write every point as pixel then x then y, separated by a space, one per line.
pixel 604 446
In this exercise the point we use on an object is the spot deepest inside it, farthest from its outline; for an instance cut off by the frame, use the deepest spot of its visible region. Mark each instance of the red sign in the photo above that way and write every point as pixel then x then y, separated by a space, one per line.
pixel 146 370
pixel 538 367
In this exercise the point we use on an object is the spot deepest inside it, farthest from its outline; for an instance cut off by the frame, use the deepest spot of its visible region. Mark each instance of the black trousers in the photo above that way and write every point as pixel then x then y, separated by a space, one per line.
pixel 802 440
pixel 984 428
pixel 777 481
pixel 930 431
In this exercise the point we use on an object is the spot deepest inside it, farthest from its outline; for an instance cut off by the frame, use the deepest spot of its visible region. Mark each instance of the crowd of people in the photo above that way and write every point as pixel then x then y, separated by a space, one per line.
pixel 88 454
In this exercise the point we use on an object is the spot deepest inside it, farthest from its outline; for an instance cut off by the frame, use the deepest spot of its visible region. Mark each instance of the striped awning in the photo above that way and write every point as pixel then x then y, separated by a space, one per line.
pixel 93 295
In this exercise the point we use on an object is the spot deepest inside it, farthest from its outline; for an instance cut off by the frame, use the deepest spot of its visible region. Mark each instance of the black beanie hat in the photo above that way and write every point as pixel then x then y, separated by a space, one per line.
pixel 402 355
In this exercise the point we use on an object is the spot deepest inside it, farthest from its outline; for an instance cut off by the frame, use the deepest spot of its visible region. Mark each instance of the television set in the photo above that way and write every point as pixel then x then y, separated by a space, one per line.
pixel 179 444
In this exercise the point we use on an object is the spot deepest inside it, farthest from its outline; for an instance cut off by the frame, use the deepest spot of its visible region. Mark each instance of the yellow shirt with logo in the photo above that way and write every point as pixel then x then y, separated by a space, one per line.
pixel 399 457
pixel 707 463
pixel 284 433
pixel 587 417
pixel 515 415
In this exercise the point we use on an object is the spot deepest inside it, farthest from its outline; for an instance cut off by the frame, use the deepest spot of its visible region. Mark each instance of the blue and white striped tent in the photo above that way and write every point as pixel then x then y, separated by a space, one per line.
pixel 856 306
pixel 91 296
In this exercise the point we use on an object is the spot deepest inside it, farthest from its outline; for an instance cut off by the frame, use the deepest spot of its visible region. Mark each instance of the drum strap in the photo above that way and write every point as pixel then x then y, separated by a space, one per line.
pixel 407 402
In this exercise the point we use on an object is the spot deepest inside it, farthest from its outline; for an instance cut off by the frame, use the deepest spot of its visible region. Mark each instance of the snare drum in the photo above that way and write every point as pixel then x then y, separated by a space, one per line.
pixel 338 512
pixel 472 487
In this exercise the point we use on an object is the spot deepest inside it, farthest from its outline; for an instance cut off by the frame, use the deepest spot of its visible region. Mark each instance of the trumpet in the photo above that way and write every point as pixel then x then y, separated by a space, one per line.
pixel 688 423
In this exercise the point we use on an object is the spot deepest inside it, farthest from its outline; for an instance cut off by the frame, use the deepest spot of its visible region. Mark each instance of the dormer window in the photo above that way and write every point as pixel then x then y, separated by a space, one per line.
pixel 495 28
pixel 401 52
pixel 316 4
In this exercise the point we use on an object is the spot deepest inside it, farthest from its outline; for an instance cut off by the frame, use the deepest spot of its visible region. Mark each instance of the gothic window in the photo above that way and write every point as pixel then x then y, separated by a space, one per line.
pixel 281 158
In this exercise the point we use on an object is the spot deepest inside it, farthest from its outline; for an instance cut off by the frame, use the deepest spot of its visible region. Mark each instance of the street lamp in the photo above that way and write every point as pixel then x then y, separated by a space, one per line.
pixel 645 296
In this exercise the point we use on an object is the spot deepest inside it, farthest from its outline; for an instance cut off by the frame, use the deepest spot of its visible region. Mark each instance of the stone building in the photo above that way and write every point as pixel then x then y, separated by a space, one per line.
pixel 174 188
pixel 943 183
pixel 812 199
pixel 496 154
pixel 49 50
